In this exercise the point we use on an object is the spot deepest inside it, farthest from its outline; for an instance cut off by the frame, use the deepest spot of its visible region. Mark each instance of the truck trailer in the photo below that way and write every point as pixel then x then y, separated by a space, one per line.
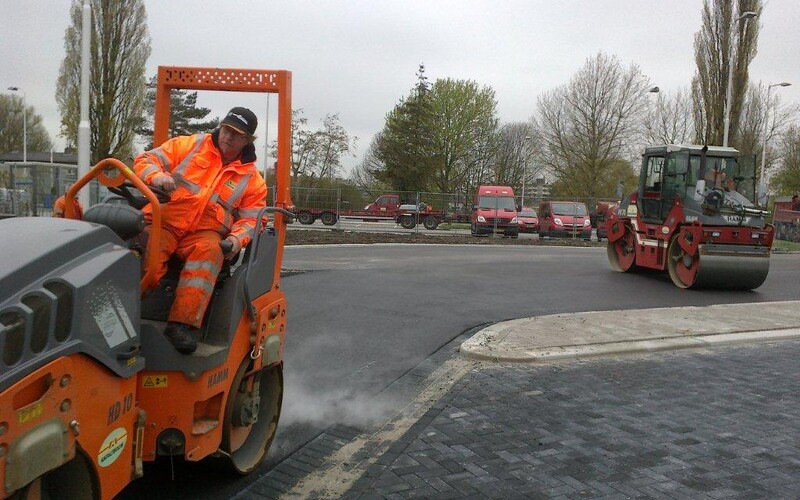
pixel 387 207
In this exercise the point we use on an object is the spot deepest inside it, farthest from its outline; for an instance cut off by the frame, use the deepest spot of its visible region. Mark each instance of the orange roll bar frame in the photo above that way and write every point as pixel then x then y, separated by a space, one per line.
pixel 99 172
pixel 274 81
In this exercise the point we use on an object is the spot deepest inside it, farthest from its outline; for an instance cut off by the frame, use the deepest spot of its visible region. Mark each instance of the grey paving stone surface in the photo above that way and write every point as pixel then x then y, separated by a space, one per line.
pixel 721 423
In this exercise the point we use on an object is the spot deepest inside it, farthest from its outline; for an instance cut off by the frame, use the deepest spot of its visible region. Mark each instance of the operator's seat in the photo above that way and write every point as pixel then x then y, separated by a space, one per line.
pixel 158 302
pixel 126 221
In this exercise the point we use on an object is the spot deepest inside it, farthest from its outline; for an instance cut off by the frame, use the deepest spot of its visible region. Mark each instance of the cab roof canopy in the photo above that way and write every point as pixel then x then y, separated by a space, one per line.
pixel 692 148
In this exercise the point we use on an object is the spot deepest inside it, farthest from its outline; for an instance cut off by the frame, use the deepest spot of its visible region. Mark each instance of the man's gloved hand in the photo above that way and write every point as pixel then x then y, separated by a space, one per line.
pixel 164 182
pixel 232 245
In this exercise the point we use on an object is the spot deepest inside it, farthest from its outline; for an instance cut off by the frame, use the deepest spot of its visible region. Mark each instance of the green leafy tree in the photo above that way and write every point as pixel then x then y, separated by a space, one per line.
pixel 185 118
pixel 119 51
pixel 12 127
pixel 464 127
pixel 723 40
pixel 441 137
pixel 405 146
pixel 618 170
pixel 587 127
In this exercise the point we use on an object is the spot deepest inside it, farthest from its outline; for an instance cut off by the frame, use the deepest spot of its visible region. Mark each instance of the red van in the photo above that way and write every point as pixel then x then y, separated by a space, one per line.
pixel 564 219
pixel 495 210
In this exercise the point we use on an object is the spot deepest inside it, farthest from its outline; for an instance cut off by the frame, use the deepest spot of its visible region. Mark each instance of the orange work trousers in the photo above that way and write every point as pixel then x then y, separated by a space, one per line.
pixel 202 259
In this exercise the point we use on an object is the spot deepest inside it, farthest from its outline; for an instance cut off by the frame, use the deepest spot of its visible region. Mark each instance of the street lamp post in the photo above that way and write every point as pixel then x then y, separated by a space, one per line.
pixel 746 16
pixel 24 124
pixel 654 91
pixel 651 123
pixel 524 170
pixel 762 184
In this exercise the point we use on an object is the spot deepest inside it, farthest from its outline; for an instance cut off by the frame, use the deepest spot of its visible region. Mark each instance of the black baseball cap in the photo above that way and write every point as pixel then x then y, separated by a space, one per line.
pixel 241 119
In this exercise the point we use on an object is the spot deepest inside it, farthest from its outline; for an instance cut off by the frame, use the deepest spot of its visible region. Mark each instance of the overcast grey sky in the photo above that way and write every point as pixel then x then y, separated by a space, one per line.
pixel 359 57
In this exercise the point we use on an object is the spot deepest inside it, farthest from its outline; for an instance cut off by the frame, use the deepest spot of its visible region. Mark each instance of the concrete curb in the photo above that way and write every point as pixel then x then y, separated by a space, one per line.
pixel 604 333
pixel 481 353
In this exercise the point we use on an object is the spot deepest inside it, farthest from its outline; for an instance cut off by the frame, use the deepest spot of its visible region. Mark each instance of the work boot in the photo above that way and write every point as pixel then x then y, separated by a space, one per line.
pixel 181 336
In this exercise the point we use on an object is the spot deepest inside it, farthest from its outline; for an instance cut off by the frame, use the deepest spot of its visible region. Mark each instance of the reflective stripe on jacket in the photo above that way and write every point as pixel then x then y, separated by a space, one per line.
pixel 225 199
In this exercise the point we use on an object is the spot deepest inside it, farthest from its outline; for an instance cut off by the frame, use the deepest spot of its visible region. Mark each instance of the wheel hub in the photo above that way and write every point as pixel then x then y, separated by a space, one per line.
pixel 246 410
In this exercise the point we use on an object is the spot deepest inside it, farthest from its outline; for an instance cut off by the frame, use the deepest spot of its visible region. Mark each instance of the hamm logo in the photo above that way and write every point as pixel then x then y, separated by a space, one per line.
pixel 218 377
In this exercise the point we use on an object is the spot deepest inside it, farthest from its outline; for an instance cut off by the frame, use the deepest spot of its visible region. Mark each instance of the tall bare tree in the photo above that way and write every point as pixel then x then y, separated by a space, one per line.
pixel 332 142
pixel 787 177
pixel 759 106
pixel 515 163
pixel 119 51
pixel 587 126
pixel 301 146
pixel 669 119
pixel 362 176
pixel 750 134
pixel 12 126
pixel 724 39
pixel 317 154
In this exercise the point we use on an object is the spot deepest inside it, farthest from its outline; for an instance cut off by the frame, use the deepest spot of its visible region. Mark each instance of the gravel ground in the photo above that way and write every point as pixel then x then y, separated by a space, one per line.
pixel 333 237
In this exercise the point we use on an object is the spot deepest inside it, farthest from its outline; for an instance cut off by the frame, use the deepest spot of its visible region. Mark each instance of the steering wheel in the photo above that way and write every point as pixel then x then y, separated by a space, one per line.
pixel 714 199
pixel 139 201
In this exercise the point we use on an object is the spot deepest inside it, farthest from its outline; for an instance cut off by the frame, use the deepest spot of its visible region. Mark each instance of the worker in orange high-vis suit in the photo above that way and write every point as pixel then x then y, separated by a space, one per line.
pixel 216 193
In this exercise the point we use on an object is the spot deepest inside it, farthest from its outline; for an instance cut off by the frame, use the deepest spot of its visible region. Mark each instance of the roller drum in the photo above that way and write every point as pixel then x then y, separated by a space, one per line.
pixel 732 267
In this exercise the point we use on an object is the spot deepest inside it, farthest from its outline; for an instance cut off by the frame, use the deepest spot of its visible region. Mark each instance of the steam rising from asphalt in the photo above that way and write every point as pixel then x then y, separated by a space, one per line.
pixel 333 377
pixel 305 404
pixel 324 386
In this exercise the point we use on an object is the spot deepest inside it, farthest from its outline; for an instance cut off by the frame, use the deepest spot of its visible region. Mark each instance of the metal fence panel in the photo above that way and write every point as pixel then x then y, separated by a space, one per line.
pixel 30 189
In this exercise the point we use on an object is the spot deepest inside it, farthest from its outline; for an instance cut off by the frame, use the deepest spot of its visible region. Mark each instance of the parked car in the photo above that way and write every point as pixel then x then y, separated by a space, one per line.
pixel 527 220
pixel 564 219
